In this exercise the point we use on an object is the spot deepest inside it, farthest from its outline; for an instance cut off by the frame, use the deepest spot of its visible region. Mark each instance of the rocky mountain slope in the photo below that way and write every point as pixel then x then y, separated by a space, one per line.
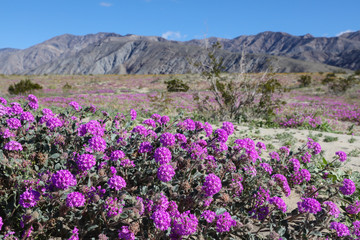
pixel 110 53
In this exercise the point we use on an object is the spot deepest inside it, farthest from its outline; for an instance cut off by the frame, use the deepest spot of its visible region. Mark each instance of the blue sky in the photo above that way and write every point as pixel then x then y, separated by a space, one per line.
pixel 24 23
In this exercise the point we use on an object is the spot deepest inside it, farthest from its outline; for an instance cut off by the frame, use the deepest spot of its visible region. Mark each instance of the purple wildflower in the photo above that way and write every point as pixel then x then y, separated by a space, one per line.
pixel 13 123
pixel 27 116
pixel 305 174
pixel 348 187
pixel 150 123
pixel 275 156
pixel 13 146
pixel 164 120
pixel 294 164
pixel 140 130
pixel 208 129
pixel 212 185
pixel 63 179
pixel 4 102
pixel 221 135
pixel 116 155
pixel 224 222
pixel 75 105
pixel 332 208
pixel 184 224
pixel 341 229
pixel 85 162
pixel 145 147
pixel 29 198
pixel 310 205
pixel 208 215
pixel 165 172
pixel 161 219
pixel 133 114
pixel 279 203
pixel 167 139
pixel 266 167
pixel 16 108
pixel 162 155
pixel 353 208
pixel 116 182
pixel 342 156
pixel 356 229
pixel 228 127
pixel 126 234
pixel 53 122
pixel 75 199
pixel 98 144
pixel 306 158
pixel 180 138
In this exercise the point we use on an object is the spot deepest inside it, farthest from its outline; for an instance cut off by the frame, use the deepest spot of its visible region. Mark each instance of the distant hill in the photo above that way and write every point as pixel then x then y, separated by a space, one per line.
pixel 110 53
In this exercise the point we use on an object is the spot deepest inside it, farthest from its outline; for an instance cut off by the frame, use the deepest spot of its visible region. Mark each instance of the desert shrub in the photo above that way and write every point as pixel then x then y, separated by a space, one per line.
pixel 238 99
pixel 357 72
pixel 176 85
pixel 24 86
pixel 341 85
pixel 330 77
pixel 304 80
pixel 330 139
pixel 67 175
pixel 67 86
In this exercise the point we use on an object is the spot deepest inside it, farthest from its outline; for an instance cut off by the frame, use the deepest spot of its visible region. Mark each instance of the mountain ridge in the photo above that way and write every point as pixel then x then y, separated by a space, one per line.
pixel 104 53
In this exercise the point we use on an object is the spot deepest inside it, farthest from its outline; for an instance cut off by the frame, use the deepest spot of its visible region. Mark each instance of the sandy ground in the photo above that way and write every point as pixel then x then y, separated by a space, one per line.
pixel 278 137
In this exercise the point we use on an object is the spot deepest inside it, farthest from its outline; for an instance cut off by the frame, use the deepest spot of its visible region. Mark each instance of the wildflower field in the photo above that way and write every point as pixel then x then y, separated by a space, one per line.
pixel 120 157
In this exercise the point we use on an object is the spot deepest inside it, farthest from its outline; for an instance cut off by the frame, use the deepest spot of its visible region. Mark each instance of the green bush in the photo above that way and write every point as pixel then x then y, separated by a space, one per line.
pixel 241 99
pixel 24 86
pixel 304 80
pixel 176 85
pixel 357 72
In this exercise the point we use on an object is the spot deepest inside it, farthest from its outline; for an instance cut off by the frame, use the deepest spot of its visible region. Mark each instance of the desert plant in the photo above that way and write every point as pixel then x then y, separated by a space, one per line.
pixel 176 85
pixel 24 86
pixel 357 72
pixel 67 175
pixel 237 99
pixel 304 80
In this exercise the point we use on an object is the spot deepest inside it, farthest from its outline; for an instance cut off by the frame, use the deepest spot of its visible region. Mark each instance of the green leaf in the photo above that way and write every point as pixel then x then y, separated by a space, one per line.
pixel 55 155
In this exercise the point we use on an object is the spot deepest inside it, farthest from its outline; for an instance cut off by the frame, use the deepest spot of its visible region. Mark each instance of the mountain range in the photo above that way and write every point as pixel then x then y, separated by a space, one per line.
pixel 111 53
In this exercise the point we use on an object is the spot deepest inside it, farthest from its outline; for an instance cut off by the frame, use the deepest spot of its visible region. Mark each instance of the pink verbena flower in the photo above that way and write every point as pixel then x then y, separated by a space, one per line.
pixel 353 208
pixel 332 208
pixel 224 222
pixel 342 156
pixel 221 135
pixel 228 127
pixel 75 105
pixel 63 179
pixel 98 144
pixel 161 219
pixel 165 172
pixel 341 229
pixel 85 162
pixel 133 114
pixel 145 147
pixel 167 139
pixel 209 216
pixel 310 205
pixel 29 198
pixel 185 224
pixel 75 199
pixel 126 234
pixel 348 187
pixel 162 155
pixel 13 123
pixel 208 129
pixel 279 203
pixel 13 146
pixel 116 155
pixel 116 182
pixel 212 185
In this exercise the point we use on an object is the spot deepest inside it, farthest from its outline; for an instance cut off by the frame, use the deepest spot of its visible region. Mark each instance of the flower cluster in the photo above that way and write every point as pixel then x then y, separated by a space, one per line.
pixel 341 229
pixel 75 199
pixel 13 146
pixel 332 208
pixel 85 162
pixel 348 187
pixel 167 139
pixel 212 184
pixel 75 105
pixel 310 205
pixel 29 198
pixel 63 179
pixel 165 172
pixel 98 144
pixel 117 183
pixel 224 222
pixel 279 203
pixel 161 219
pixel 126 234
pixel 162 155
pixel 342 156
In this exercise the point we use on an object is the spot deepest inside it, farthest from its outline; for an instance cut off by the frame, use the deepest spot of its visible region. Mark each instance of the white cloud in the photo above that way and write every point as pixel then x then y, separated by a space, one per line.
pixel 347 31
pixel 170 35
pixel 105 4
